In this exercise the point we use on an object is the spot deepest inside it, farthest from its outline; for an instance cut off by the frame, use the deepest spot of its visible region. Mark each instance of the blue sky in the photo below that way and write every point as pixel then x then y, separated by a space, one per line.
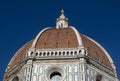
pixel 21 21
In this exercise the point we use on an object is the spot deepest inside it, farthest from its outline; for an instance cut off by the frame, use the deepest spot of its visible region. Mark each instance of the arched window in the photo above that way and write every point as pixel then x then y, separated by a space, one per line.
pixel 55 76
pixel 15 79
pixel 61 25
pixel 98 78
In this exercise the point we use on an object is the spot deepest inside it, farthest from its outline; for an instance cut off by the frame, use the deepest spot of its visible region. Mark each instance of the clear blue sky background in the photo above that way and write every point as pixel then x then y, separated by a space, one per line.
pixel 21 21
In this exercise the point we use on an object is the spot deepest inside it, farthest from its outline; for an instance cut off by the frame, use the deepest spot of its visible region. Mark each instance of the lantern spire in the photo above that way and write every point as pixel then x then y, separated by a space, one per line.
pixel 62 21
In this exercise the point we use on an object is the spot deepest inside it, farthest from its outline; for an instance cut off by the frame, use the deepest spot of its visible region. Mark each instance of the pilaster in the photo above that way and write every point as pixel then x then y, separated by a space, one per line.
pixel 29 70
pixel 82 69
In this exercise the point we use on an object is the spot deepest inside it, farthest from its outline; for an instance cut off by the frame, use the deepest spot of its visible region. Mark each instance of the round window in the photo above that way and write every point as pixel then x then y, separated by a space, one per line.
pixel 99 78
pixel 55 73
pixel 15 79
pixel 55 76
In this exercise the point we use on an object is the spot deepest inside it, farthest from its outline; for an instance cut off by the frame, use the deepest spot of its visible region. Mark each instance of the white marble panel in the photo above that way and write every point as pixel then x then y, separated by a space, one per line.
pixel 70 69
pixel 34 78
pixel 76 77
pixel 35 69
pixel 40 78
pixel 40 70
pixel 76 69
pixel 70 78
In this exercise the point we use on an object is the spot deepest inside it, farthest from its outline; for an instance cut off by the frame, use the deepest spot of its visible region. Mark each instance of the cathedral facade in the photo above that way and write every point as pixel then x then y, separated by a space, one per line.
pixel 61 54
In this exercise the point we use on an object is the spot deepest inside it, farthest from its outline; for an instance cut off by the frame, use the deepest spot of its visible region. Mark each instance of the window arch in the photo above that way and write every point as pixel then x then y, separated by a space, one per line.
pixel 99 78
pixel 15 79
pixel 55 76
pixel 55 73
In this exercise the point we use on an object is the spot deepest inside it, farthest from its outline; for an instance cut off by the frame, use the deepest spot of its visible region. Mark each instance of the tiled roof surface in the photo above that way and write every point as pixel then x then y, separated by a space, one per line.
pixel 62 38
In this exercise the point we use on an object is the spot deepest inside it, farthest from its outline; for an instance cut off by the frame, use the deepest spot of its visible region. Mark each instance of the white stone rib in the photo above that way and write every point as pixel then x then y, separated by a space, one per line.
pixel 18 52
pixel 78 36
pixel 36 38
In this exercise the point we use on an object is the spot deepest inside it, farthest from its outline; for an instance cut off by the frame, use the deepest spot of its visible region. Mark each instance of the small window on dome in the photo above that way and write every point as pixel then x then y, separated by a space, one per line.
pixel 36 54
pixel 71 52
pixel 48 53
pixel 51 53
pixel 59 53
pixel 98 78
pixel 31 53
pixel 61 25
pixel 15 79
pixel 67 53
pixel 55 76
pixel 40 53
pixel 44 53
pixel 79 51
pixel 55 53
pixel 63 53
pixel 75 52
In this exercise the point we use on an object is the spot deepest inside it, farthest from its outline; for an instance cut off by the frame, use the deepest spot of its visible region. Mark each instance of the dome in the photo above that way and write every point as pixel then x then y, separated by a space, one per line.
pixel 52 38
pixel 61 53
pixel 57 38
pixel 63 37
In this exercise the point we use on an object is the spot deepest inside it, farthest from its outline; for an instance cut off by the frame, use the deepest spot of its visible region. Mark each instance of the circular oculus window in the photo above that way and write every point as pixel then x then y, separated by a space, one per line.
pixel 55 76
pixel 55 73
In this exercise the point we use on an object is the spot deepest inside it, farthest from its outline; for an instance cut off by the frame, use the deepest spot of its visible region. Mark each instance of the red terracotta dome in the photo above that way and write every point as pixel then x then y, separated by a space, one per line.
pixel 53 38
pixel 57 38
pixel 63 37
